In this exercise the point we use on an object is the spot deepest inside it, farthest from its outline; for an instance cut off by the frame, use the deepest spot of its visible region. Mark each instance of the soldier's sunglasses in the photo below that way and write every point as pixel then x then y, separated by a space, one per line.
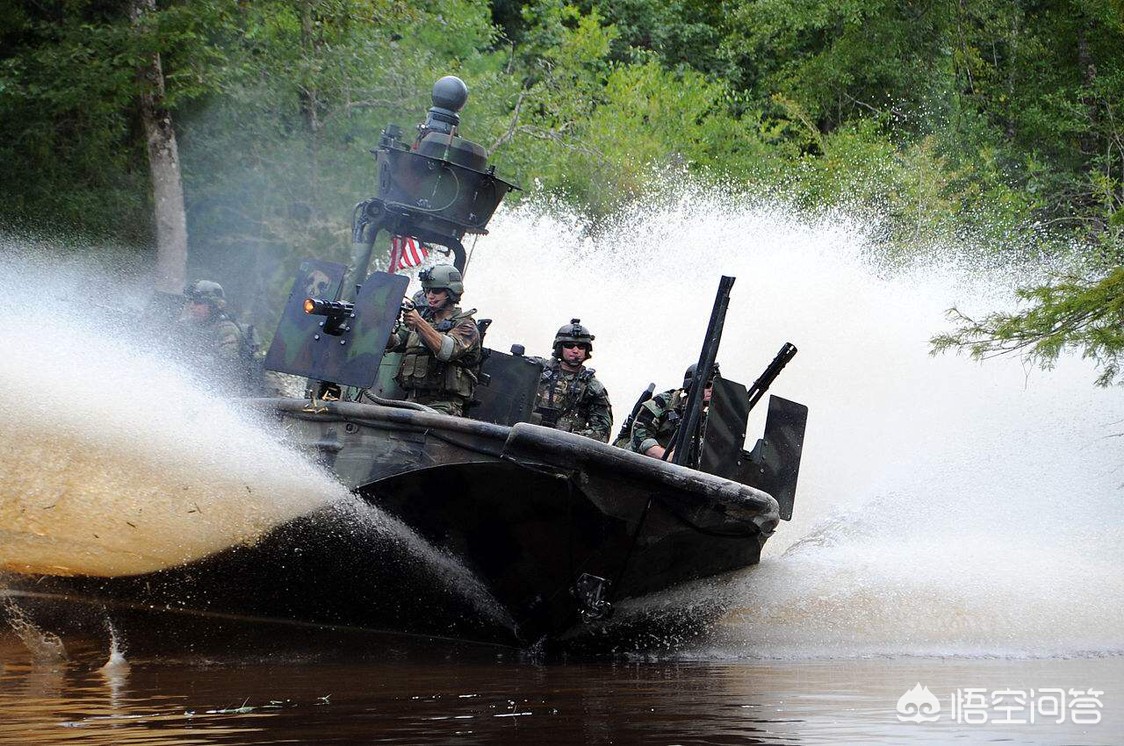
pixel 572 345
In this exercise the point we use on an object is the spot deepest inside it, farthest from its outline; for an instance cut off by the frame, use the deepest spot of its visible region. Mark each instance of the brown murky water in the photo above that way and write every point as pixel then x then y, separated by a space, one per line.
pixel 401 690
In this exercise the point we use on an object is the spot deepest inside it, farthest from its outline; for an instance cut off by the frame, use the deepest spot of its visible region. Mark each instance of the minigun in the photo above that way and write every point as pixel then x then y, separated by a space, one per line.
pixel 336 313
pixel 765 380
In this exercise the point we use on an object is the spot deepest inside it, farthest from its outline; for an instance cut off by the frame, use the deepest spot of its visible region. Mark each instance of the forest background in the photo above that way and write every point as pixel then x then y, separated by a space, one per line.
pixel 231 138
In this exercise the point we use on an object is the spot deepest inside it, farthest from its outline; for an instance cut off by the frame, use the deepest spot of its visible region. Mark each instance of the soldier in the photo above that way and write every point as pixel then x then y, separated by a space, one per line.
pixel 224 348
pixel 570 398
pixel 659 417
pixel 440 345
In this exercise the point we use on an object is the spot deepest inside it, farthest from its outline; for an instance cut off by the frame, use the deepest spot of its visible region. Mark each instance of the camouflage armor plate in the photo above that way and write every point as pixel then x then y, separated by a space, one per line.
pixel 302 345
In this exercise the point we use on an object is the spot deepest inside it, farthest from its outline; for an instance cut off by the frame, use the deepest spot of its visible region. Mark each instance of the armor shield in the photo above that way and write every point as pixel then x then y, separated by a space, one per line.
pixel 726 419
pixel 351 355
pixel 507 388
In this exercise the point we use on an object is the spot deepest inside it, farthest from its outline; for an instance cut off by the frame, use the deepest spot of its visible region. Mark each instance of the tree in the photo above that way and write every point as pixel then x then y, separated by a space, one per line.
pixel 89 147
pixel 163 162
pixel 70 164
pixel 1072 313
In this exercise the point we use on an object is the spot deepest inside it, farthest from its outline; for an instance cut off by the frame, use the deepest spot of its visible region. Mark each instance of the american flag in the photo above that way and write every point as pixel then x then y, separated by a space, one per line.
pixel 406 252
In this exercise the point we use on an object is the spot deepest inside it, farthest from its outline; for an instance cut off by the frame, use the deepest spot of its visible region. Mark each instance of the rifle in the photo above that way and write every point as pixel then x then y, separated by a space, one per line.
pixel 626 428
pixel 765 380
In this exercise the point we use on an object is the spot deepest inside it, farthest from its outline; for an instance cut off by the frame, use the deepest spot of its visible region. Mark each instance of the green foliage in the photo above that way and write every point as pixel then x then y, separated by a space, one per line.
pixel 982 117
pixel 681 34
pixel 836 60
pixel 68 157
pixel 1072 313
pixel 649 120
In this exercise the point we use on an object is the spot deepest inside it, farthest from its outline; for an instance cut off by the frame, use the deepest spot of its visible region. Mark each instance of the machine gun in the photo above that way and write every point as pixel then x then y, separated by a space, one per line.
pixel 765 380
pixel 337 313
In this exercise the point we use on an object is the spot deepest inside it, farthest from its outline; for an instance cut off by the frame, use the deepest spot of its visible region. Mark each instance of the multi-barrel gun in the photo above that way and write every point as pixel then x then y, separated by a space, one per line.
pixel 765 380
pixel 337 314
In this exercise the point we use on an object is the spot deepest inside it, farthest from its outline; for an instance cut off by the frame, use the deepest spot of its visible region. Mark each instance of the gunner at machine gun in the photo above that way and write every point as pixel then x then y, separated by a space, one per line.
pixel 440 343
pixel 658 418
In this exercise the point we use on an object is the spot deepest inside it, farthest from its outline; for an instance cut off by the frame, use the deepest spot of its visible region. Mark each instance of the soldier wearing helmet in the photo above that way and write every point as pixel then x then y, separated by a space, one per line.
pixel 570 397
pixel 440 344
pixel 659 417
pixel 217 341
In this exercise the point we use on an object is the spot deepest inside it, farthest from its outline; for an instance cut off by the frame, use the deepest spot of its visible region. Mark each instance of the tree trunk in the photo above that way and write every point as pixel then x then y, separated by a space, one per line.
pixel 164 168
pixel 1088 68
pixel 308 94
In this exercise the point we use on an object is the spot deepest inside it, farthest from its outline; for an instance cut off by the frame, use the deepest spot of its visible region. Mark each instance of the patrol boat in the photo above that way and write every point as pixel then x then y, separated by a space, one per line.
pixel 554 528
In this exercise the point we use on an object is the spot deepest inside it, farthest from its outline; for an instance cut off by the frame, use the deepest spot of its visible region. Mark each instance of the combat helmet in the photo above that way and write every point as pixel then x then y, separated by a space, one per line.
pixel 689 374
pixel 573 332
pixel 206 291
pixel 443 276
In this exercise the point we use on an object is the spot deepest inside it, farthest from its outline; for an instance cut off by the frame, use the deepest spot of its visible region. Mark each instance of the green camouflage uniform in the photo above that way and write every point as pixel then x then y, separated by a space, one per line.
pixel 574 402
pixel 657 419
pixel 217 345
pixel 445 385
pixel 227 337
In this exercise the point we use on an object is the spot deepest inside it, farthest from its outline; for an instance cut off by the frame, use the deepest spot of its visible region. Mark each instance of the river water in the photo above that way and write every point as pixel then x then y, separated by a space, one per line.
pixel 952 571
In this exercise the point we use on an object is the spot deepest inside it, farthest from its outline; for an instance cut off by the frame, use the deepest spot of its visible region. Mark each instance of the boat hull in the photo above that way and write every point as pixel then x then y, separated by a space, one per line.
pixel 461 529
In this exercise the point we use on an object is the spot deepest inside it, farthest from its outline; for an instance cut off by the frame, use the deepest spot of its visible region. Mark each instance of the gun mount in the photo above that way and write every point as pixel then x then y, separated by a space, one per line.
pixel 337 313
pixel 436 190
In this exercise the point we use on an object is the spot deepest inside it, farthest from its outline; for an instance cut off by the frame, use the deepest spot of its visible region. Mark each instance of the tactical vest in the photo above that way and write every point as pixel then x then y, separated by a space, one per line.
pixel 559 404
pixel 422 371
pixel 667 425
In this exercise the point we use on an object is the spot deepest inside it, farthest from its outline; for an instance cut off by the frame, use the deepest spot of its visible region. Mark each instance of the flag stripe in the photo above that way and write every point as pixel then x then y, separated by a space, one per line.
pixel 406 252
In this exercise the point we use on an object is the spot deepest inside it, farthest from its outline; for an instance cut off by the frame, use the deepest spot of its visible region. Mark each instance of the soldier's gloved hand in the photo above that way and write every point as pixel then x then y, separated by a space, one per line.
pixel 412 318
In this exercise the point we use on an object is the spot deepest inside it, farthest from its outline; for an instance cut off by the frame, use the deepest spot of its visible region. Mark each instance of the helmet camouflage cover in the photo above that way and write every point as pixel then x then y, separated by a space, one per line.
pixel 443 276
pixel 573 332
pixel 206 291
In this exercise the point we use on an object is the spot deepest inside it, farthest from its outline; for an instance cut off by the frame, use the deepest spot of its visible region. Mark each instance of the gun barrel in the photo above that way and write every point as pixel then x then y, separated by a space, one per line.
pixel 330 308
pixel 765 380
